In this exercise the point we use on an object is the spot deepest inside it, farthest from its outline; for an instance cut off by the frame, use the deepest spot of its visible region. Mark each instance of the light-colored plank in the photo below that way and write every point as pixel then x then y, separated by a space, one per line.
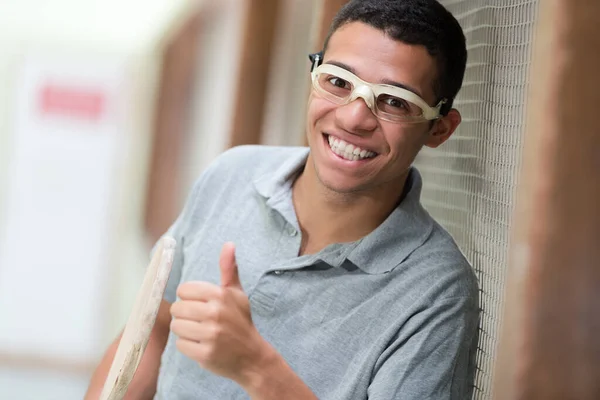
pixel 141 320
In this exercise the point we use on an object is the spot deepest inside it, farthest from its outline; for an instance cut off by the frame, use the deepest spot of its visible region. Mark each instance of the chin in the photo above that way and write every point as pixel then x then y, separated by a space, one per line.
pixel 338 182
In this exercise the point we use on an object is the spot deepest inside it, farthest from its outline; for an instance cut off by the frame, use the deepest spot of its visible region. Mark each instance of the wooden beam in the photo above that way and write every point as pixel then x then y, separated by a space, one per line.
pixel 251 92
pixel 326 11
pixel 550 343
pixel 324 14
pixel 169 138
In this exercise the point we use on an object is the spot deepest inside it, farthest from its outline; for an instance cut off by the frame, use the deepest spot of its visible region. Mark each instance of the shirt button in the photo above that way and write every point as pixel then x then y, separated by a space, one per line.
pixel 292 232
pixel 278 272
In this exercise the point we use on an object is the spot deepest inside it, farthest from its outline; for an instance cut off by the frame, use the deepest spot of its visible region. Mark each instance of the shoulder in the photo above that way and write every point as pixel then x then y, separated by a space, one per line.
pixel 231 177
pixel 244 164
pixel 452 275
pixel 255 158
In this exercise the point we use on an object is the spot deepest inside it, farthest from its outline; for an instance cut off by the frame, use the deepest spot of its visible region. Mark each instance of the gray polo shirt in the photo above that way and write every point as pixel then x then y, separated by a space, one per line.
pixel 391 316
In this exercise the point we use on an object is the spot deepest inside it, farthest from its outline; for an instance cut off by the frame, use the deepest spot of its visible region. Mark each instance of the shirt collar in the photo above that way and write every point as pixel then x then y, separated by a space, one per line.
pixel 274 183
pixel 404 230
pixel 276 187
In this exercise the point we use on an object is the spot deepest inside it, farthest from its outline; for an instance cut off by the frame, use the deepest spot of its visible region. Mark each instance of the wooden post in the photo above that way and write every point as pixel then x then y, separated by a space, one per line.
pixel 257 43
pixel 550 343
pixel 172 109
pixel 326 11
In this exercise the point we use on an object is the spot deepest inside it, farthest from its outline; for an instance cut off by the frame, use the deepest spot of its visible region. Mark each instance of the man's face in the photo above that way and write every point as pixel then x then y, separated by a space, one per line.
pixel 390 147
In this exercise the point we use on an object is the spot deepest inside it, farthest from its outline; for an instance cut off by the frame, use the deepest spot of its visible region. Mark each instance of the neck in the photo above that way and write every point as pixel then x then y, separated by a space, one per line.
pixel 326 216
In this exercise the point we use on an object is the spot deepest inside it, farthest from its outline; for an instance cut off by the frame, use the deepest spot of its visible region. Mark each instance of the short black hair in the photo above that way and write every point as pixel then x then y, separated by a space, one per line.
pixel 416 22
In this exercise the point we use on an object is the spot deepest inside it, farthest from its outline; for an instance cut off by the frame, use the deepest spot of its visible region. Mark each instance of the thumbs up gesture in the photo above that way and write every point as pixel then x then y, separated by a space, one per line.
pixel 214 325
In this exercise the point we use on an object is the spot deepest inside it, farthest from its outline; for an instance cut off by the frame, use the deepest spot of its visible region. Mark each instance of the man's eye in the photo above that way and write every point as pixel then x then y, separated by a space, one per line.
pixel 395 102
pixel 335 81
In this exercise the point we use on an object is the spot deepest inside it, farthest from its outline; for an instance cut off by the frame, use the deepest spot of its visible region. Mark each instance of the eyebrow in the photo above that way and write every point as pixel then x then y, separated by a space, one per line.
pixel 385 81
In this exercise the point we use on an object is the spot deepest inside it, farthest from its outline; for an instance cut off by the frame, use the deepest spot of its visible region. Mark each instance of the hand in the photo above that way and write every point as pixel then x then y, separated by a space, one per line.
pixel 214 324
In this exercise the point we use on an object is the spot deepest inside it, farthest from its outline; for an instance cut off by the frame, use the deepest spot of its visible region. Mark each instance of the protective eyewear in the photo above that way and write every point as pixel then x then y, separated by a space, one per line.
pixel 387 102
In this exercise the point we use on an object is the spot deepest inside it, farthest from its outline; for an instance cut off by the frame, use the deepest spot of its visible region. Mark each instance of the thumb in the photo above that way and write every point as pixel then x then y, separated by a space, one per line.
pixel 228 265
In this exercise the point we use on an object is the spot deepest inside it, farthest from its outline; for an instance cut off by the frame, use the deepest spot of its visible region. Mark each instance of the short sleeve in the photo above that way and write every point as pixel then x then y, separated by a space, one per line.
pixel 216 174
pixel 179 232
pixel 434 355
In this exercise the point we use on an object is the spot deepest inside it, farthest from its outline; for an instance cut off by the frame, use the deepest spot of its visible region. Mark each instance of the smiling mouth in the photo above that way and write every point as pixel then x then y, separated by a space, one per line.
pixel 348 151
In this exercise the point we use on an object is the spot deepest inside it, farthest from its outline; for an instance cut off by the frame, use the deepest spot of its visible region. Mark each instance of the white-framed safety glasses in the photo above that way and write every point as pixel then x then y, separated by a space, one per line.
pixel 387 102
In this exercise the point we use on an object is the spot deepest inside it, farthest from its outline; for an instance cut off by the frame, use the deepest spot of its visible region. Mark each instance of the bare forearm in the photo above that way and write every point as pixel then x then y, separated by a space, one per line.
pixel 99 376
pixel 143 385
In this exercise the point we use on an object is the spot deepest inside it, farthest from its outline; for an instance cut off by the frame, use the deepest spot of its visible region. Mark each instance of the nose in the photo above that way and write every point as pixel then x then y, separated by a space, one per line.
pixel 356 117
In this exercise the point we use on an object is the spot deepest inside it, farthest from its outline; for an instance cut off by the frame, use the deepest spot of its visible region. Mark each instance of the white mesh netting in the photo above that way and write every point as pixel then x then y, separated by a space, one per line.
pixel 470 181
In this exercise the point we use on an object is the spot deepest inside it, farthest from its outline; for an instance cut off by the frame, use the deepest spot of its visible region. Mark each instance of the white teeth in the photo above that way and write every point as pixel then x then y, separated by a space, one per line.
pixel 347 150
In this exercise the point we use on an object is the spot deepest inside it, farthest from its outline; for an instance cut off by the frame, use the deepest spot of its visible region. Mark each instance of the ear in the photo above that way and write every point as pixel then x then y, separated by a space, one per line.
pixel 443 128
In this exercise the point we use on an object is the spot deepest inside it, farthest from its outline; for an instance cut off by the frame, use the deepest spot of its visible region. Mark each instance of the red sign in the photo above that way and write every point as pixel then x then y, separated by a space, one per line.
pixel 72 101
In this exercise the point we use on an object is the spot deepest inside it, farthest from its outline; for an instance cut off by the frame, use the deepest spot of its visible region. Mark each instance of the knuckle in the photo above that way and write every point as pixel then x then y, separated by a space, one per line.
pixel 220 294
pixel 184 309
pixel 213 332
pixel 174 326
pixel 216 332
pixel 181 290
pixel 215 311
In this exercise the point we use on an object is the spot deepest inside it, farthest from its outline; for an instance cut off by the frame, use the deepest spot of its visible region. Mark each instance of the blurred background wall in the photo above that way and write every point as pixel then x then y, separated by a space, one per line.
pixel 109 111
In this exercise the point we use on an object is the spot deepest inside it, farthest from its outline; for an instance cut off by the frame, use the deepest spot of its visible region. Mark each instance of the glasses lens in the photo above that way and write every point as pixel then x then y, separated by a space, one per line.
pixel 336 87
pixel 397 107
pixel 390 105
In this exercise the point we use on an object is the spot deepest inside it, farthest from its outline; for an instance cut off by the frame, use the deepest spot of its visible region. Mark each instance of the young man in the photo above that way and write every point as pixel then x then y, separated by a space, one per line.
pixel 341 286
